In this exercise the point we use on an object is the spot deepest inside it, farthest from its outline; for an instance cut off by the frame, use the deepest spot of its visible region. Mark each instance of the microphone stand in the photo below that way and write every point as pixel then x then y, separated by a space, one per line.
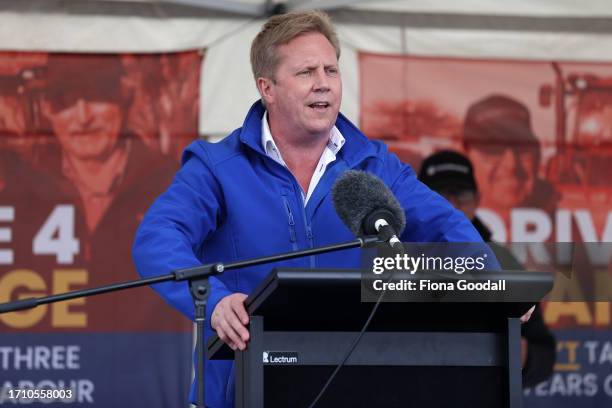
pixel 199 288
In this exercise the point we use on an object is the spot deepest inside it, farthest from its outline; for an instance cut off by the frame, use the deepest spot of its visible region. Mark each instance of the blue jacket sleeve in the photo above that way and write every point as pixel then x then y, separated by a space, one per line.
pixel 174 228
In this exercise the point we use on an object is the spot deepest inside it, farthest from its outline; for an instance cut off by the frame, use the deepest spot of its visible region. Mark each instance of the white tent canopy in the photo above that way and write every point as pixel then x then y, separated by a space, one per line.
pixel 543 8
pixel 539 30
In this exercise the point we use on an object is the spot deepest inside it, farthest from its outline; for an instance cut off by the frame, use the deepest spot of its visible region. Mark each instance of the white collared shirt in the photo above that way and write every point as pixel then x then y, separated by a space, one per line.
pixel 334 144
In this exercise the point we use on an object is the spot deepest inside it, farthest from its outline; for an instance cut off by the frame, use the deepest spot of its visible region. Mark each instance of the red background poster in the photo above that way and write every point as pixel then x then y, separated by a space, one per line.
pixel 87 141
pixel 543 172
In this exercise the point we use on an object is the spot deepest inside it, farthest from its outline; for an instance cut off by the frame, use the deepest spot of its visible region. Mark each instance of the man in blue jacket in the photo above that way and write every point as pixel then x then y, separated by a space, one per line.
pixel 265 188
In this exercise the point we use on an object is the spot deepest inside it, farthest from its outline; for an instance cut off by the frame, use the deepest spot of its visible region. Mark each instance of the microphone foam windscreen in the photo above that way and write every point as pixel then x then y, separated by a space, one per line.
pixel 356 194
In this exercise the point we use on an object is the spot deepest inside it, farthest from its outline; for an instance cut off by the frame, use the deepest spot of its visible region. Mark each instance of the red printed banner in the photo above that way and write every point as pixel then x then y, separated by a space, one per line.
pixel 87 143
pixel 539 134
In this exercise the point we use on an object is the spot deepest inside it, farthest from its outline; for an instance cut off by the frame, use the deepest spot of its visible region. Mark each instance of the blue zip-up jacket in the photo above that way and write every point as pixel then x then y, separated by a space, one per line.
pixel 231 202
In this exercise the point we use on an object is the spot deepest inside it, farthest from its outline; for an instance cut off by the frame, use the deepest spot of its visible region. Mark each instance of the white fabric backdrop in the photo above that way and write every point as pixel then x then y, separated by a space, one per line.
pixel 227 88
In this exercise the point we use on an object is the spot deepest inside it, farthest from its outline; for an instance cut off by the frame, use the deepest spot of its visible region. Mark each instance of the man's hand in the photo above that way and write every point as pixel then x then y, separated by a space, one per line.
pixel 525 318
pixel 229 320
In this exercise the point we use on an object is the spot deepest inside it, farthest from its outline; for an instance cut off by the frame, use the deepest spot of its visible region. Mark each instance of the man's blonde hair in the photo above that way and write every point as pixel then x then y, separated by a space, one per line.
pixel 283 28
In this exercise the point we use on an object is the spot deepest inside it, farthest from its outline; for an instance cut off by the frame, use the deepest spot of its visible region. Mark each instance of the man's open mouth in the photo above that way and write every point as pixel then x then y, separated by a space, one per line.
pixel 319 105
pixel 86 132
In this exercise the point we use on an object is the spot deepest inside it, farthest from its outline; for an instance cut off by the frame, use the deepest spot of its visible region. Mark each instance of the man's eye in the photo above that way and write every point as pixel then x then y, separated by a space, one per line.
pixel 304 73
pixel 332 71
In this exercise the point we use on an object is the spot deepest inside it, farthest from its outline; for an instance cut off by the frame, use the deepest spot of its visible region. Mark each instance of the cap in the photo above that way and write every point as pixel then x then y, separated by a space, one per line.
pixel 498 119
pixel 95 77
pixel 448 170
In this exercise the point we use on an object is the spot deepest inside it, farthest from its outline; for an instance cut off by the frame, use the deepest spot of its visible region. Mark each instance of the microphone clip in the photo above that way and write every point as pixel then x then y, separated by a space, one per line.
pixel 378 222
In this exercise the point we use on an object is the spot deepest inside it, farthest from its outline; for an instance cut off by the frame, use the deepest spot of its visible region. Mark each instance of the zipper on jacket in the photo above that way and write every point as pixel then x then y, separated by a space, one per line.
pixel 308 233
pixel 292 233
pixel 313 263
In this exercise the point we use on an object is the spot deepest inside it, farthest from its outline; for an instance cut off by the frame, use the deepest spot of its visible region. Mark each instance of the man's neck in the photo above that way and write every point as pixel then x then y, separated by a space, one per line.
pixel 300 152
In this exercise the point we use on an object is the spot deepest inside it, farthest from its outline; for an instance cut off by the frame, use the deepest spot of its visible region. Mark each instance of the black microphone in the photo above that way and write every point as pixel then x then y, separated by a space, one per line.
pixel 366 205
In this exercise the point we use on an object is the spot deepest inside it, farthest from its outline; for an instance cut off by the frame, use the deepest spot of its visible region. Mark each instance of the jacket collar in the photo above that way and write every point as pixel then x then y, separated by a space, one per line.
pixel 356 148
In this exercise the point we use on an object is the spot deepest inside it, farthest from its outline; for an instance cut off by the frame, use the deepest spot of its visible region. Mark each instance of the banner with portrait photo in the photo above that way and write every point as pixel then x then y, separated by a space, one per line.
pixel 87 142
pixel 539 134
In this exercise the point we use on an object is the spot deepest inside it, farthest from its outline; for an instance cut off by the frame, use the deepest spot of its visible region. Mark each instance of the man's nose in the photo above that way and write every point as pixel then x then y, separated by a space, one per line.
pixel 511 160
pixel 321 83
pixel 83 111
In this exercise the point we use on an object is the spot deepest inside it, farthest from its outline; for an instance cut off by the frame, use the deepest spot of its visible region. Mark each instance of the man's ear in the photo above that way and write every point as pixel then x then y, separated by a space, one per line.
pixel 265 86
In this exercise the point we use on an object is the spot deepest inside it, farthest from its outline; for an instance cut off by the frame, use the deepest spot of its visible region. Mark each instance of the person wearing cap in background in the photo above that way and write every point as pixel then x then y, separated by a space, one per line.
pixel 497 135
pixel 451 175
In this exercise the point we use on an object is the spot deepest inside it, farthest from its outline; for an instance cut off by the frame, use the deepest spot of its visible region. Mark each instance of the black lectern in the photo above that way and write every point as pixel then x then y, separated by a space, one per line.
pixel 414 354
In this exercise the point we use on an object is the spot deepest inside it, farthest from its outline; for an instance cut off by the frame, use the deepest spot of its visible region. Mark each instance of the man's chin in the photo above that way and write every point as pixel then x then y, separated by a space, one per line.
pixel 89 153
pixel 322 129
pixel 317 125
pixel 89 157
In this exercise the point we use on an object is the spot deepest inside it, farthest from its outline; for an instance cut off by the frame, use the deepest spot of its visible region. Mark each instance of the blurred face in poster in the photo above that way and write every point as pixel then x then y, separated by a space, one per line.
pixel 87 129
pixel 86 111
pixel 498 138
pixel 505 173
